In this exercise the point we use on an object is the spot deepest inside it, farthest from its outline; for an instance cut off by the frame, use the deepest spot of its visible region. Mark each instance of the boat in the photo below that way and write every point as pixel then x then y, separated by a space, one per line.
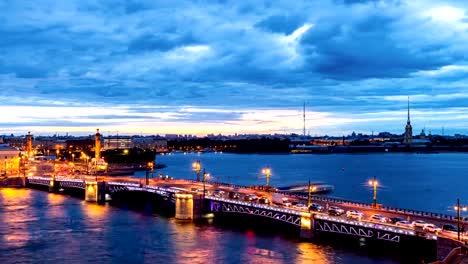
pixel 302 189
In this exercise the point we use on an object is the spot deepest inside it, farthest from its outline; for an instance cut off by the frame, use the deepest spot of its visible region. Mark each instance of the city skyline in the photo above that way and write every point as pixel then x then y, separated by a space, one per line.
pixel 132 67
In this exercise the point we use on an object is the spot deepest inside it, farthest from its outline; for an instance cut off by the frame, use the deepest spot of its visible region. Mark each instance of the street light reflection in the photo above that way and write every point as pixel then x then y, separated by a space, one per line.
pixel 311 253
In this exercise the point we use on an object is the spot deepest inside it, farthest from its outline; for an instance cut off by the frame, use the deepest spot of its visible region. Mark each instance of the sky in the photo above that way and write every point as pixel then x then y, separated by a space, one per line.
pixel 199 67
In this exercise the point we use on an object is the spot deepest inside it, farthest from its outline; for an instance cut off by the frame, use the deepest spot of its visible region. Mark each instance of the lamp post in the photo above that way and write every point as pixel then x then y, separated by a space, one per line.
pixel 374 183
pixel 205 176
pixel 310 189
pixel 457 207
pixel 267 173
pixel 196 167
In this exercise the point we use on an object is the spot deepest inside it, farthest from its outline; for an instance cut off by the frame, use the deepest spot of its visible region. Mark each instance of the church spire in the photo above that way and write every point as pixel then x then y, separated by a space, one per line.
pixel 408 122
pixel 408 129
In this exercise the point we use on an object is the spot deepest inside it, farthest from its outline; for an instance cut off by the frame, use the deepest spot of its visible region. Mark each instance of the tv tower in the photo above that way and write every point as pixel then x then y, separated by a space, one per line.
pixel 304 116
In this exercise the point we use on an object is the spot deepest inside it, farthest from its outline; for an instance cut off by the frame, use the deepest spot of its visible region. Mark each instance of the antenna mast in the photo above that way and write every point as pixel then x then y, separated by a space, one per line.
pixel 304 116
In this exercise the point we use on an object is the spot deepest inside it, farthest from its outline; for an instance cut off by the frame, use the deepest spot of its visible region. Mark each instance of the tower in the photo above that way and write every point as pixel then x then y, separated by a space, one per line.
pixel 29 144
pixel 408 129
pixel 303 115
pixel 97 145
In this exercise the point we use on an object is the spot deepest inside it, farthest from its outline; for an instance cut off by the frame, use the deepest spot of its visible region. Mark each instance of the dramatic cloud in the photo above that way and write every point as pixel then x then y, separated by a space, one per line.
pixel 233 66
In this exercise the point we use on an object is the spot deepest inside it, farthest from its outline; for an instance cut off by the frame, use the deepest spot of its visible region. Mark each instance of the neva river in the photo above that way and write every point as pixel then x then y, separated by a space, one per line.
pixel 38 227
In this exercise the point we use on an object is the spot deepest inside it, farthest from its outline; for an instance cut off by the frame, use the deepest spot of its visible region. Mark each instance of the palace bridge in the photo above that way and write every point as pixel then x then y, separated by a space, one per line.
pixel 184 200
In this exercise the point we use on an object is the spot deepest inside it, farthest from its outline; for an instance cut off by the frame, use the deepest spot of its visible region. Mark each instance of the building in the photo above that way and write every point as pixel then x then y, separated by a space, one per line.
pixel 153 143
pixel 9 160
pixel 408 129
pixel 117 142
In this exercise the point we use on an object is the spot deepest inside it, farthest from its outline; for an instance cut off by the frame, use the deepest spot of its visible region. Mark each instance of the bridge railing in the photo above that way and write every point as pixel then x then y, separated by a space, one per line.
pixel 345 202
pixel 382 208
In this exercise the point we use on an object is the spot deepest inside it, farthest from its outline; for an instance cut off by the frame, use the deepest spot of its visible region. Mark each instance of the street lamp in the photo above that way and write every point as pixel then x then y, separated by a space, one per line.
pixel 309 197
pixel 205 177
pixel 73 157
pixel 149 168
pixel 458 208
pixel 374 183
pixel 196 167
pixel 267 172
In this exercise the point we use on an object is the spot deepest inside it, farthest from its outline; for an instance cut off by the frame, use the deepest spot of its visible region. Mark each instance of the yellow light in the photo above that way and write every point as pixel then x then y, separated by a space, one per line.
pixel 464 209
pixel 125 151
pixel 314 188
pixel 455 208
pixel 370 182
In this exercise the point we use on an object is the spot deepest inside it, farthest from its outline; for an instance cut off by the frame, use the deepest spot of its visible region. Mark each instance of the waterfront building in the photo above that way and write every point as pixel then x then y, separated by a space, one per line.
pixel 155 143
pixel 118 142
pixel 9 160
pixel 408 129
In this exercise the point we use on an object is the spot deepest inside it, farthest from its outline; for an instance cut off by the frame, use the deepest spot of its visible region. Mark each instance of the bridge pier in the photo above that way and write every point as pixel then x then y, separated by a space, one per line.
pixel 445 246
pixel 307 226
pixel 188 207
pixel 184 206
pixel 95 191
pixel 52 185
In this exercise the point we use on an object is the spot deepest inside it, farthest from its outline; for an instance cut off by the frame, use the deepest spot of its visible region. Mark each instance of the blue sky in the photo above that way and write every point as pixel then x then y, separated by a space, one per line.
pixel 157 67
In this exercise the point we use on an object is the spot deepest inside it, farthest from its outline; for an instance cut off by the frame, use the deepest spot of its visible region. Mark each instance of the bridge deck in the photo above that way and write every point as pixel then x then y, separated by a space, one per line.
pixel 186 186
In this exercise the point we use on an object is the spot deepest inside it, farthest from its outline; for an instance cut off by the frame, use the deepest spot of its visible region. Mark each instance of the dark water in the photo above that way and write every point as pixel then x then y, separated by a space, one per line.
pixel 38 227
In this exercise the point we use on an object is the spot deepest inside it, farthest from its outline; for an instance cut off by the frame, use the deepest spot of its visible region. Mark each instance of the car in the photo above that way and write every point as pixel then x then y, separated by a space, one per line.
pixel 336 208
pixel 432 228
pixel 404 223
pixel 250 197
pixel 378 218
pixel 394 220
pixel 287 203
pixel 419 223
pixel 218 193
pixel 316 207
pixel 334 212
pixel 449 227
pixel 300 206
pixel 264 200
pixel 234 195
pixel 197 189
pixel 353 214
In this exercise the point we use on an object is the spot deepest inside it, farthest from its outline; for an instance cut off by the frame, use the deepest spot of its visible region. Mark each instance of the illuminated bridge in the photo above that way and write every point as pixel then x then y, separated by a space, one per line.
pixel 179 199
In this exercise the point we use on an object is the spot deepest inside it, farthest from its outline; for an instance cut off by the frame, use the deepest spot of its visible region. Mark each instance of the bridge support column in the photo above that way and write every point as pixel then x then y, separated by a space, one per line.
pixel 52 185
pixel 307 226
pixel 91 191
pixel 184 206
pixel 101 192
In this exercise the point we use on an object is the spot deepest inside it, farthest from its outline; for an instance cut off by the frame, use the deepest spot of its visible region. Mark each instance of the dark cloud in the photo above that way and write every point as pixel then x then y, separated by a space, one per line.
pixel 285 24
pixel 150 42
pixel 160 56
pixel 365 49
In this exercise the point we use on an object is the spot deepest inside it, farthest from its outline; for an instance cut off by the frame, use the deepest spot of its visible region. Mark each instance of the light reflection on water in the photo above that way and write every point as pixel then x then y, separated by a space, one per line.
pixel 38 226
